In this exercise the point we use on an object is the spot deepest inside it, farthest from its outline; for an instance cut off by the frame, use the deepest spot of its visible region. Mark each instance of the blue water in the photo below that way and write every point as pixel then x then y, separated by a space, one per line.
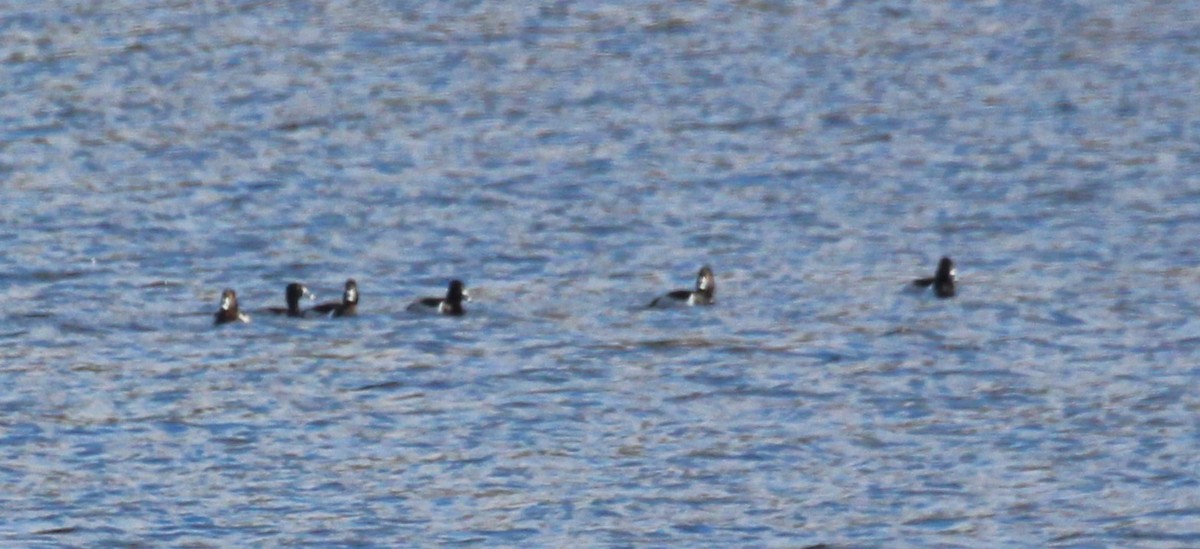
pixel 570 161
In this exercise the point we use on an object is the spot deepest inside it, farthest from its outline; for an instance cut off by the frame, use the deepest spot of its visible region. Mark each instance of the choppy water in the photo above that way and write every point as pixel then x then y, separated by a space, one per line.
pixel 570 161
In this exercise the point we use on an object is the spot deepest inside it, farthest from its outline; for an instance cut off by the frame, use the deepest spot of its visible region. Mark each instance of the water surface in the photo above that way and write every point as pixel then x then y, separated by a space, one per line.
pixel 571 161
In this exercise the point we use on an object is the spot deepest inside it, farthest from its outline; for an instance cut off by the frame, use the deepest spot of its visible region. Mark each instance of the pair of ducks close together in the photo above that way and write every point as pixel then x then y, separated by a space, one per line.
pixel 942 283
pixel 348 306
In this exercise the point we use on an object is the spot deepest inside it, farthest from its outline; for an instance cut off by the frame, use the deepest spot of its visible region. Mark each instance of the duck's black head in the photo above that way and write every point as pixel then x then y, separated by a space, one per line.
pixel 706 282
pixel 456 293
pixel 295 292
pixel 943 280
pixel 350 295
pixel 229 301
pixel 229 308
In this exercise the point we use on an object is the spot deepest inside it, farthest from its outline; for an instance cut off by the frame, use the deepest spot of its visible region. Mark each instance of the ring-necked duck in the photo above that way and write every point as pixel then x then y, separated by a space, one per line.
pixel 295 291
pixel 347 307
pixel 942 281
pixel 449 305
pixel 706 289
pixel 229 309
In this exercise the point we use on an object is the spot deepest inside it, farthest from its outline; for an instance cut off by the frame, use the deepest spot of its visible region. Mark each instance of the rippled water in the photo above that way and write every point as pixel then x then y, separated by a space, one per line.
pixel 571 161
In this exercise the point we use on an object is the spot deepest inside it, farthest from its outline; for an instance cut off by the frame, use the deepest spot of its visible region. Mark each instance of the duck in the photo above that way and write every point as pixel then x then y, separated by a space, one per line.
pixel 294 292
pixel 229 309
pixel 942 280
pixel 456 293
pixel 704 294
pixel 348 306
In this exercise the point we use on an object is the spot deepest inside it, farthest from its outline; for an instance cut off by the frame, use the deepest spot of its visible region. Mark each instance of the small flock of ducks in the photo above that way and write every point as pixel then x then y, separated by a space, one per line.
pixel 942 282
pixel 348 306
